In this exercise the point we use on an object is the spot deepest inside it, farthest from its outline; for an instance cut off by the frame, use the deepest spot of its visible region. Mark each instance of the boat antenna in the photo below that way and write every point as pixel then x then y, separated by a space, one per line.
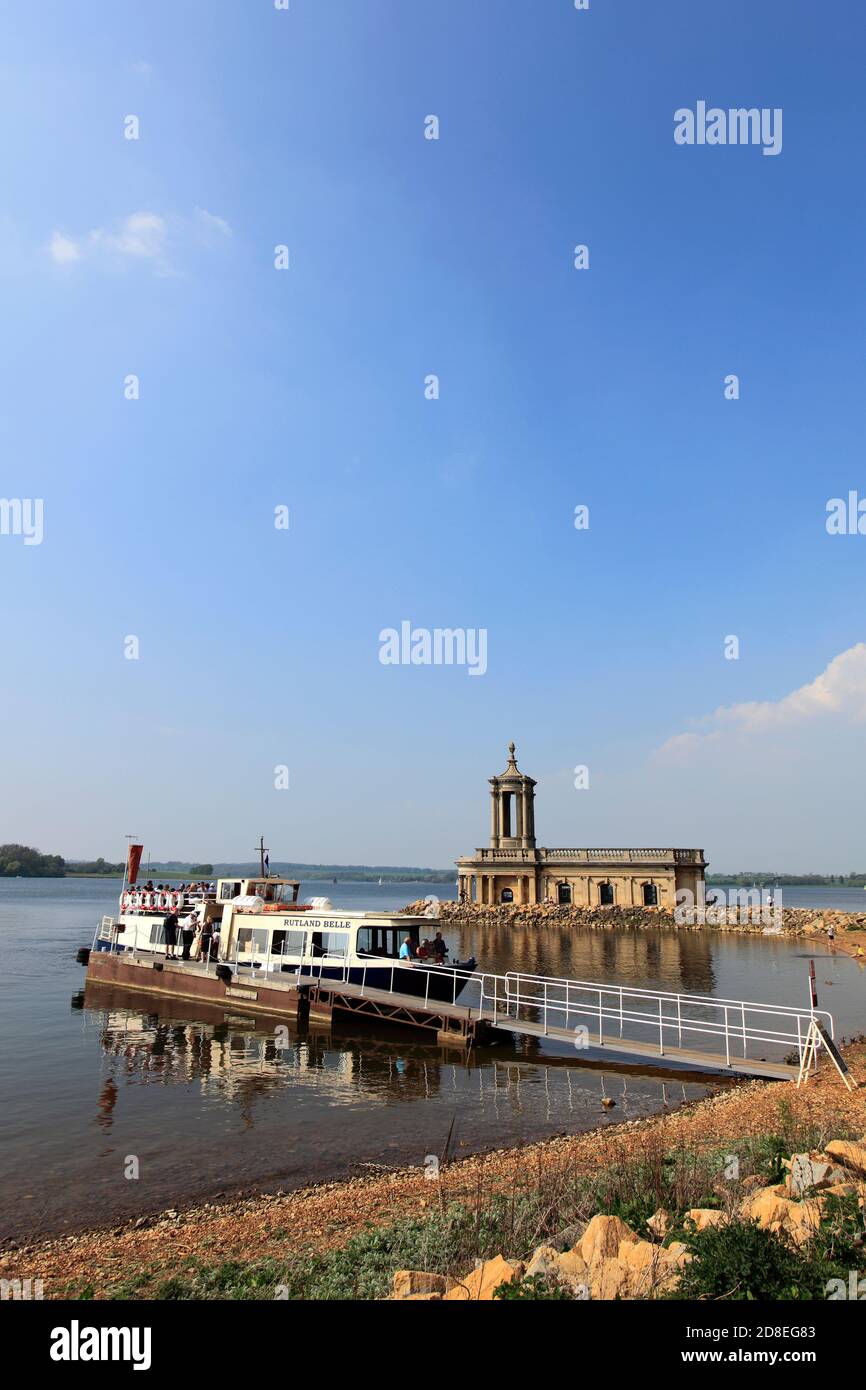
pixel 263 853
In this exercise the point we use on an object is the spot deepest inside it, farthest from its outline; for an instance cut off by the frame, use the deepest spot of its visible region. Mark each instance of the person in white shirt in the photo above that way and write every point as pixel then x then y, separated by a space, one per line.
pixel 187 931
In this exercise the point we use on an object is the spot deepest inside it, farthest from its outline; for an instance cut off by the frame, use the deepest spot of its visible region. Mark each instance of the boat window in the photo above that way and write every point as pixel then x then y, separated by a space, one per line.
pixel 289 943
pixel 253 940
pixel 157 934
pixel 330 943
pixel 229 891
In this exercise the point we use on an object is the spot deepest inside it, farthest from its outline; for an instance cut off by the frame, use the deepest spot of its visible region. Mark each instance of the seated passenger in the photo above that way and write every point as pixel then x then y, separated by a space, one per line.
pixel 406 950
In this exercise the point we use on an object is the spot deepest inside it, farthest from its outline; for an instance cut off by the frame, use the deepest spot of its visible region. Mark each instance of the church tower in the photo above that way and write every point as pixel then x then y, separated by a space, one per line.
pixel 512 808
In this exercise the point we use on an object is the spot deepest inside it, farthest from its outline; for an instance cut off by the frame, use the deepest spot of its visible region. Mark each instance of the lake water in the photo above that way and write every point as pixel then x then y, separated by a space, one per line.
pixel 206 1103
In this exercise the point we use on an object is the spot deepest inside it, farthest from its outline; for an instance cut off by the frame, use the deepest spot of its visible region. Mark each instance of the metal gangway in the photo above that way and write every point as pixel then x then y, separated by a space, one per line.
pixel 662 1027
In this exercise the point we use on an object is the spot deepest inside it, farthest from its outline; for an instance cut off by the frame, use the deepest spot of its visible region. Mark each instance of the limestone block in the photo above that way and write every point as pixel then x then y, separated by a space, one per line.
pixel 848 1153
pixel 480 1284
pixel 659 1223
pixel 415 1283
pixel 602 1238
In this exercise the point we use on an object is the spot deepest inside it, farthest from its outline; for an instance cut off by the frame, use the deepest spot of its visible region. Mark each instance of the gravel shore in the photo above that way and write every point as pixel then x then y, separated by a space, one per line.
pixel 325 1217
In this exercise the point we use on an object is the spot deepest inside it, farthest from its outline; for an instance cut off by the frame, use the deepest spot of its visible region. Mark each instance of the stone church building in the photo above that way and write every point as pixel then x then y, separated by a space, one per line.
pixel 513 870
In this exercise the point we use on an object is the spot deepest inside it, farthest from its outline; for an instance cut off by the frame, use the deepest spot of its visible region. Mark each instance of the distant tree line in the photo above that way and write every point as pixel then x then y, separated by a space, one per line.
pixel 20 861
pixel 763 880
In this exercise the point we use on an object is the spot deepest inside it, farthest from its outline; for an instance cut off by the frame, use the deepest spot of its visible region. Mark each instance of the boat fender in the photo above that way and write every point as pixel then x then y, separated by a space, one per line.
pixel 223 972
pixel 83 955
pixel 157 965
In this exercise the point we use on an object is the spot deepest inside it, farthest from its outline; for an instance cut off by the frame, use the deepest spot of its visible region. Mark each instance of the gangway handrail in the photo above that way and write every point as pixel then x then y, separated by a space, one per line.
pixel 791 1010
pixel 502 996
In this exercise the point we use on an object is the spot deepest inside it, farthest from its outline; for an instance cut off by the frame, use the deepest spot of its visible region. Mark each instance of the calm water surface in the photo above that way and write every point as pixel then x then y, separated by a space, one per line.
pixel 207 1104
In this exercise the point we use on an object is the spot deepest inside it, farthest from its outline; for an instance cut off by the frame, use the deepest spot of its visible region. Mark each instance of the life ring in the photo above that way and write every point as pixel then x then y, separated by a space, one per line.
pixel 124 901
pixel 164 900
pixel 176 901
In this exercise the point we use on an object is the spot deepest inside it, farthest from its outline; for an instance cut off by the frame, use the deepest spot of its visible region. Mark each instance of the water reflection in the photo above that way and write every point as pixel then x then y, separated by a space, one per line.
pixel 676 960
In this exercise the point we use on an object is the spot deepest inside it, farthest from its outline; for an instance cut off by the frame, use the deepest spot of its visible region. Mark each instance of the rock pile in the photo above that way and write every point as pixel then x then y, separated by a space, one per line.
pixel 794 921
pixel 610 1260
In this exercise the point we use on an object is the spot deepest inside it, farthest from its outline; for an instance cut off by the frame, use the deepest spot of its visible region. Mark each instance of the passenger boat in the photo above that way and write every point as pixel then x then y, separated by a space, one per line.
pixel 263 933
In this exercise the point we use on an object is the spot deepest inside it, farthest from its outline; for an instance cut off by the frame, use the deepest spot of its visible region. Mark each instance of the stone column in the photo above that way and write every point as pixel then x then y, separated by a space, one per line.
pixel 518 815
pixel 494 818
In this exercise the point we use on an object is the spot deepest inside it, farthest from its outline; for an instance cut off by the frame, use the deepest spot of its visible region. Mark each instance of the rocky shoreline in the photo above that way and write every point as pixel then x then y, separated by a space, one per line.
pixel 791 921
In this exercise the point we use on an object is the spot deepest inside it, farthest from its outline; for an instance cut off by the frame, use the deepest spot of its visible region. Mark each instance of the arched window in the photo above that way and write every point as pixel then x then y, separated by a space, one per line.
pixel 563 894
pixel 650 895
pixel 507 895
pixel 605 894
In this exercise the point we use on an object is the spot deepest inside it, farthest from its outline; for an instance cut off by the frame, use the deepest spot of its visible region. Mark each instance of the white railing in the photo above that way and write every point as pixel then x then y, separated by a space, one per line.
pixel 664 1018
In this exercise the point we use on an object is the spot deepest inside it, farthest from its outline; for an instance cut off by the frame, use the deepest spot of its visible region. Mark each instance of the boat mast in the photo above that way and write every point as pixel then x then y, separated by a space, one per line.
pixel 263 850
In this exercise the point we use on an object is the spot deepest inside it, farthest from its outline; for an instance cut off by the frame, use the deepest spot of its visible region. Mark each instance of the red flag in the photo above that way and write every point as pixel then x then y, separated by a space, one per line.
pixel 133 859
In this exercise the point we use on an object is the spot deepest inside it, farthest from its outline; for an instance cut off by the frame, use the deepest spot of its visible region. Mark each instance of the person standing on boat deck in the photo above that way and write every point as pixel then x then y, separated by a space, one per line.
pixel 406 951
pixel 187 930
pixel 205 941
pixel 440 950
pixel 169 926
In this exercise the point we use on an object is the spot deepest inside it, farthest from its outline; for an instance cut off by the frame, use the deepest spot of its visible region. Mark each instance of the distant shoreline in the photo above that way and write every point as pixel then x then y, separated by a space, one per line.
pixel 344 877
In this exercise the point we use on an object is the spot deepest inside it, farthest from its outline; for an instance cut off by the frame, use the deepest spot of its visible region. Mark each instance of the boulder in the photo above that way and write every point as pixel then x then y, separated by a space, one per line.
pixel 766 1206
pixel 802 1219
pixel 416 1283
pixel 702 1217
pixel 610 1279
pixel 849 1153
pixel 603 1237
pixel 573 1271
pixel 544 1263
pixel 487 1276
pixel 660 1223
pixel 810 1171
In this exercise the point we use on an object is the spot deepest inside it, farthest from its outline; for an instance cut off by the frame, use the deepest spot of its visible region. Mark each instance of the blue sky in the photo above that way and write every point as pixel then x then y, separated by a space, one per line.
pixel 305 388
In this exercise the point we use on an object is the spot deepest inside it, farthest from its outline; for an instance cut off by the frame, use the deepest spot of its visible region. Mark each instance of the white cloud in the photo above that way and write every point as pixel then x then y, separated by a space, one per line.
pixel 838 693
pixel 141 236
pixel 210 220
pixel 63 249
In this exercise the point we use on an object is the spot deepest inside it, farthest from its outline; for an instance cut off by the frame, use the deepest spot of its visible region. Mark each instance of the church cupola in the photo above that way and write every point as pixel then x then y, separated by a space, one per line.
pixel 512 808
